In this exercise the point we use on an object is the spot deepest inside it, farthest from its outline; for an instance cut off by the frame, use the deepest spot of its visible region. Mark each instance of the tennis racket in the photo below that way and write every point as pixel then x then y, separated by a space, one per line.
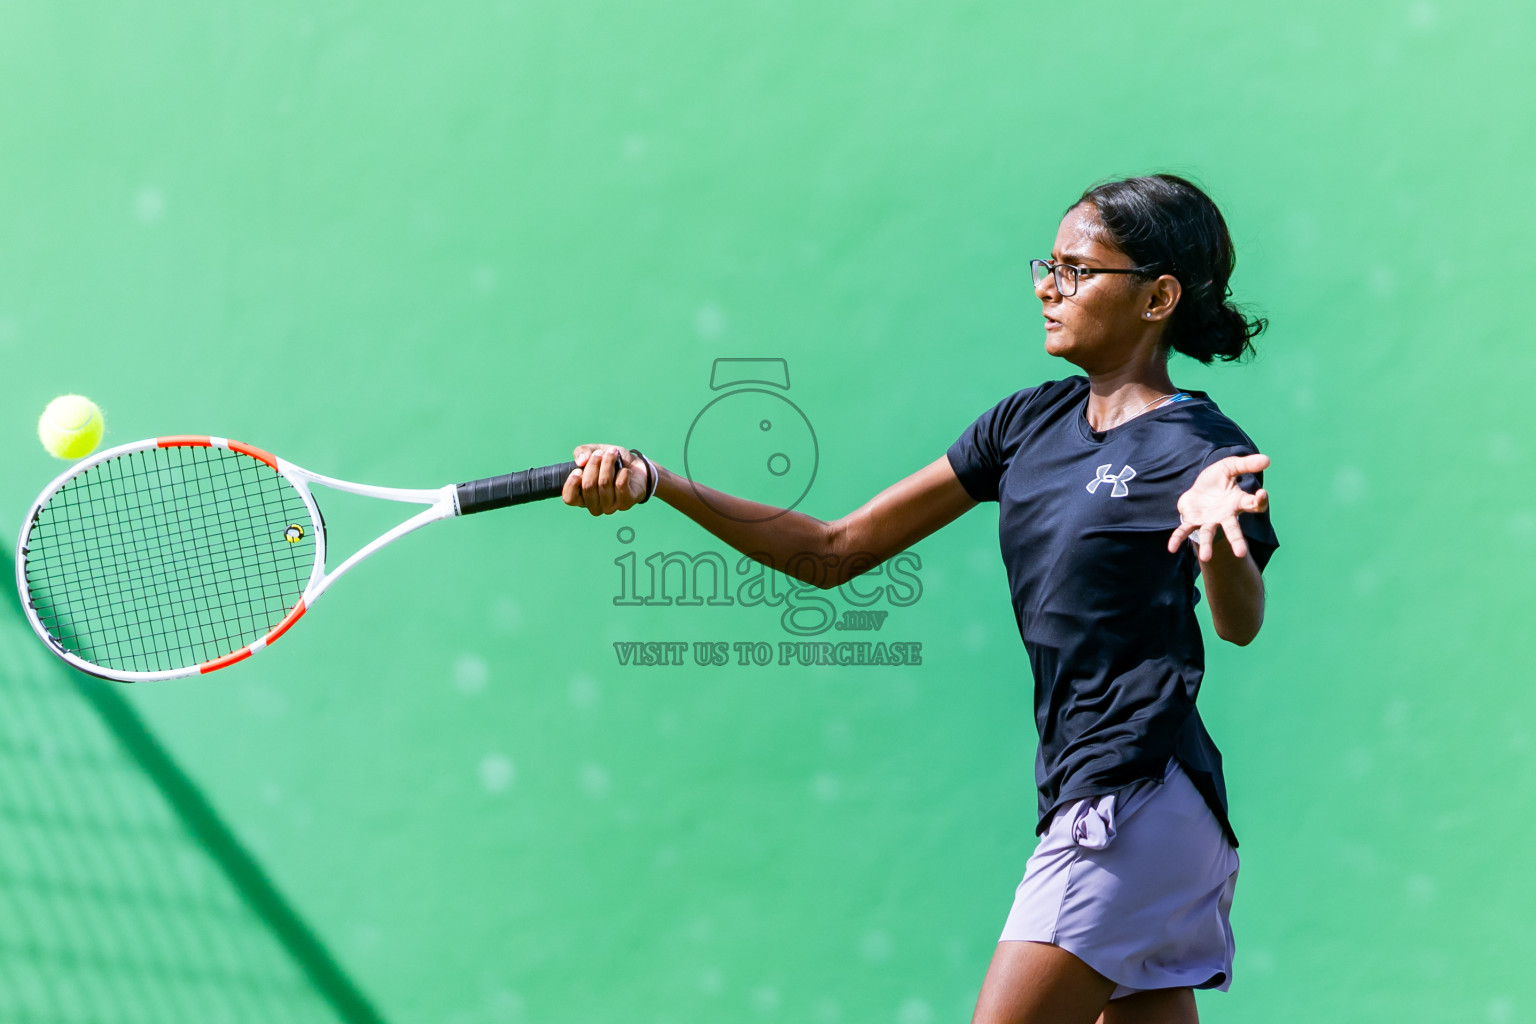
pixel 183 555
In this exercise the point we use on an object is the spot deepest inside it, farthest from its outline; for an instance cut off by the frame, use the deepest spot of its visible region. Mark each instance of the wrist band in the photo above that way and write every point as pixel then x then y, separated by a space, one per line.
pixel 650 471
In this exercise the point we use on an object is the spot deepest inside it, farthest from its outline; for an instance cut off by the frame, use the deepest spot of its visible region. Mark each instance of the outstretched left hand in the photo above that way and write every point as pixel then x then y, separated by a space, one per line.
pixel 1215 500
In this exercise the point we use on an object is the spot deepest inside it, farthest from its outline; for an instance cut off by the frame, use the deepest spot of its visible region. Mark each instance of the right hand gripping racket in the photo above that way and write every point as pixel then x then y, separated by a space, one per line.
pixel 181 555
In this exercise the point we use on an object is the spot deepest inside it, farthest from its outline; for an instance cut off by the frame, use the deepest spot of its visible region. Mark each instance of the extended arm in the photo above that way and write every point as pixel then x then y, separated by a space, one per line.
pixel 825 554
pixel 1208 513
pixel 1234 590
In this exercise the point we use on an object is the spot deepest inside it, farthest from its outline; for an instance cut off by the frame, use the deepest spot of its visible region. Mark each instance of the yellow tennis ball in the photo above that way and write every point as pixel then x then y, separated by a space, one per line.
pixel 71 427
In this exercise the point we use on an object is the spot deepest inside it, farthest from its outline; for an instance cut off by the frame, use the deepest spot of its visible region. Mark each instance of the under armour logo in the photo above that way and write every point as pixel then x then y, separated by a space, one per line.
pixel 1119 490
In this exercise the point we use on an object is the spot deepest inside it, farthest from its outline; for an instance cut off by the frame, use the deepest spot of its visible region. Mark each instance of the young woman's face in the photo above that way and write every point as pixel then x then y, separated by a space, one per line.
pixel 1099 326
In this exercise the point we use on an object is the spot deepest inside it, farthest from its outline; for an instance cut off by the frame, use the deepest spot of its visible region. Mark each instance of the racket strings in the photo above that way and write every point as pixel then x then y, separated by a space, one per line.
pixel 168 557
pixel 141 556
pixel 142 553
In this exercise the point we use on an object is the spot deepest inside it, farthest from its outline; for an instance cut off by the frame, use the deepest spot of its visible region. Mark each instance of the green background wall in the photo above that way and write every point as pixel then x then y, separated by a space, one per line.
pixel 413 244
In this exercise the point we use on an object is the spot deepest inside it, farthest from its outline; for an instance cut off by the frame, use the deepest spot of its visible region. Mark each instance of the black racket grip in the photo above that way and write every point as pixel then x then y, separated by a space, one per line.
pixel 534 484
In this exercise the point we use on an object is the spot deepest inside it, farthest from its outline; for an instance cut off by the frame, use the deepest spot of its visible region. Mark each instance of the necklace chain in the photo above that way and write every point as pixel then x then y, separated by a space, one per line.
pixel 1159 398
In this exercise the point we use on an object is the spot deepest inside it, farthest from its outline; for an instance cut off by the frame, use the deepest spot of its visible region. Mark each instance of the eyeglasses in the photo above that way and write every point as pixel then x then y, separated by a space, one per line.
pixel 1067 274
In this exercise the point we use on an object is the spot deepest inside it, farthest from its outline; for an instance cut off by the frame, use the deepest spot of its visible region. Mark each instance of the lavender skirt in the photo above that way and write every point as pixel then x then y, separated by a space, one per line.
pixel 1138 884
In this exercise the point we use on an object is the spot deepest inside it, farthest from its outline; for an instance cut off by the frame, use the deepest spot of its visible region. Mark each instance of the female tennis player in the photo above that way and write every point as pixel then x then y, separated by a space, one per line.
pixel 1115 490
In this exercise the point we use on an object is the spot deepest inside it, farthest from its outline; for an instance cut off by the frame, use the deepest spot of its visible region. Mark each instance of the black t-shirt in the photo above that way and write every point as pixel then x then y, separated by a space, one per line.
pixel 1107 615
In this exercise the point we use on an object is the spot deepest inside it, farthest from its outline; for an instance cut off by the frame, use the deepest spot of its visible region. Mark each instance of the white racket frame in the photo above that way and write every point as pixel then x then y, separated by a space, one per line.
pixel 442 503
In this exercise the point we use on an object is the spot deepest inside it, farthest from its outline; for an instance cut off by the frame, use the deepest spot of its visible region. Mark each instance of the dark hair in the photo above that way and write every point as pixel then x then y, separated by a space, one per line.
pixel 1170 226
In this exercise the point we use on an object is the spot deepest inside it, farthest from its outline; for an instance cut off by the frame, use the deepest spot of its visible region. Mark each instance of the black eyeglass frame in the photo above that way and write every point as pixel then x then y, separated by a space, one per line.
pixel 1078 271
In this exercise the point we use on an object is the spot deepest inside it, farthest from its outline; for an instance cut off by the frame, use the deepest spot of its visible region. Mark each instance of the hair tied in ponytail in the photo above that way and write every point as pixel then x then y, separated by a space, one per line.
pixel 1163 220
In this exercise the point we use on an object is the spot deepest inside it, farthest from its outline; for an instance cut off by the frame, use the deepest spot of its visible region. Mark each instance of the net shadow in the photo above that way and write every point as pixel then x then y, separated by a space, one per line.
pixel 123 897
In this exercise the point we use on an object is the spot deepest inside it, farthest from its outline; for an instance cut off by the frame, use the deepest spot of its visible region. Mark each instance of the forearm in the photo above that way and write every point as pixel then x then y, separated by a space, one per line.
pixel 825 554
pixel 822 554
pixel 1234 591
pixel 791 542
